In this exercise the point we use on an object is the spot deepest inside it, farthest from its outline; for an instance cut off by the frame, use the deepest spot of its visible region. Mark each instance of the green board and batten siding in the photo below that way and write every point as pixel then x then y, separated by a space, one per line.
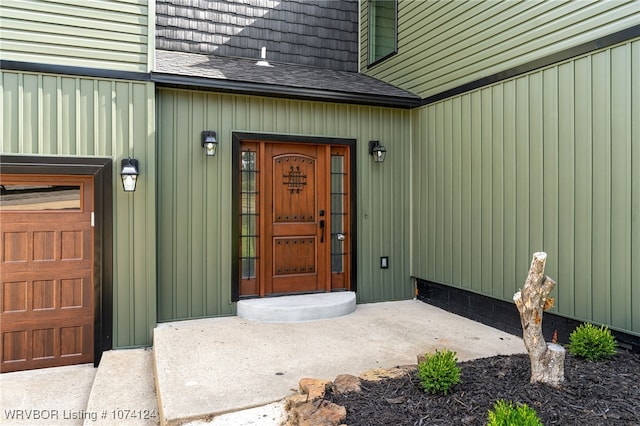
pixel 194 193
pixel 46 114
pixel 101 34
pixel 444 44
pixel 548 161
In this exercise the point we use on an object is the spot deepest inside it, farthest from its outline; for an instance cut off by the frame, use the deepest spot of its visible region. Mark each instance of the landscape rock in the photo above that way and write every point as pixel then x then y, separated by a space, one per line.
pixel 347 383
pixel 317 413
pixel 296 400
pixel 314 388
pixel 378 374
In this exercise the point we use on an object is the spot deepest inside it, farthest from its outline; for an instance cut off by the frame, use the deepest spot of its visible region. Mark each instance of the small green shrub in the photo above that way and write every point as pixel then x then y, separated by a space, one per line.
pixel 591 342
pixel 439 372
pixel 506 414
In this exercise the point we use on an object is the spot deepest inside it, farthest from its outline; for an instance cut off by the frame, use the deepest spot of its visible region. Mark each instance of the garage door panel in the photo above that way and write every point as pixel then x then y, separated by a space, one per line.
pixel 15 247
pixel 46 347
pixel 14 346
pixel 70 246
pixel 15 297
pixel 46 286
pixel 34 296
pixel 43 344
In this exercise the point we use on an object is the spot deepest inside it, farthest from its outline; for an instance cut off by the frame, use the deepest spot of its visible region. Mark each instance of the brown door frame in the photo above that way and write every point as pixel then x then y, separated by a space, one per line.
pixel 237 139
pixel 101 171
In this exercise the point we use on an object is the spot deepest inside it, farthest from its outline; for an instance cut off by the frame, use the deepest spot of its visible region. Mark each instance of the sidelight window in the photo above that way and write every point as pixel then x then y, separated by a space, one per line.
pixel 249 215
pixel 338 213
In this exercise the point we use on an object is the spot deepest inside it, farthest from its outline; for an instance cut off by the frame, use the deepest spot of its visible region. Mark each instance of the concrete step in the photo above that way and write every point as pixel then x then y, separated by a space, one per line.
pixel 298 308
pixel 123 390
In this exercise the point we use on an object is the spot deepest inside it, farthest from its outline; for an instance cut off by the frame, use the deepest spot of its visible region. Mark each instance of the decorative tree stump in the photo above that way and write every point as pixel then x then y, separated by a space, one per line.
pixel 547 360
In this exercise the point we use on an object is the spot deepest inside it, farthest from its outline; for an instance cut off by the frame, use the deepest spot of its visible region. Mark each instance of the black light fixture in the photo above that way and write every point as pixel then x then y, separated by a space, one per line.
pixel 378 151
pixel 129 173
pixel 209 142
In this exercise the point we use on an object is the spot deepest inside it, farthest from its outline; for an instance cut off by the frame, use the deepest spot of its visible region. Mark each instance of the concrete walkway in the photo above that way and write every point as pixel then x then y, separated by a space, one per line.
pixel 204 368
pixel 50 396
pixel 208 367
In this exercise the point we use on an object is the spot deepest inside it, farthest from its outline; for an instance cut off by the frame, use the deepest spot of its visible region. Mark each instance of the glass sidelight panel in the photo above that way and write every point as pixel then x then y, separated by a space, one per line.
pixel 249 215
pixel 338 213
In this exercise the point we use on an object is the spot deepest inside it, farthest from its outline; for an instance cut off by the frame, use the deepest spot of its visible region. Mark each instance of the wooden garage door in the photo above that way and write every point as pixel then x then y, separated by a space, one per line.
pixel 46 261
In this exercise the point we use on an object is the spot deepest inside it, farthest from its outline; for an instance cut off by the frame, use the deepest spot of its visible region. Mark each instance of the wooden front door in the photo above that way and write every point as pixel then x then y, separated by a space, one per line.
pixel 294 218
pixel 46 278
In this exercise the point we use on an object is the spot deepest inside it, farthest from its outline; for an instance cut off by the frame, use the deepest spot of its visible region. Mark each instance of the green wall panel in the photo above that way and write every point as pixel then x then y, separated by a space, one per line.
pixel 73 116
pixel 442 44
pixel 96 34
pixel 544 162
pixel 194 193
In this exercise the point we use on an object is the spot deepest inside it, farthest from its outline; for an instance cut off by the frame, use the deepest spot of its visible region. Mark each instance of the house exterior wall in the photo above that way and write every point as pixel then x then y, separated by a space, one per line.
pixel 547 161
pixel 194 193
pixel 442 45
pixel 48 114
pixel 94 34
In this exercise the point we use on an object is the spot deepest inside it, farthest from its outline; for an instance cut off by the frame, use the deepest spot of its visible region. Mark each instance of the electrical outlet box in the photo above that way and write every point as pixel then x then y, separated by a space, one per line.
pixel 384 262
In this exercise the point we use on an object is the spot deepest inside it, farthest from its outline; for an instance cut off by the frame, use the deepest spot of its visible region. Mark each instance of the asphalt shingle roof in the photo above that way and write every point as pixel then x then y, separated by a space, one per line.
pixel 279 79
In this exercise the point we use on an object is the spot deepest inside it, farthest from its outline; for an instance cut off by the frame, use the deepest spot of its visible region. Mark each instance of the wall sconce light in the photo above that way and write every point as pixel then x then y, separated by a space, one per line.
pixel 129 173
pixel 209 143
pixel 378 151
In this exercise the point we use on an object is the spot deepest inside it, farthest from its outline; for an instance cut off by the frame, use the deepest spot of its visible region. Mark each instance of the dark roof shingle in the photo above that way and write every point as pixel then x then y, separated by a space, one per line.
pixel 279 79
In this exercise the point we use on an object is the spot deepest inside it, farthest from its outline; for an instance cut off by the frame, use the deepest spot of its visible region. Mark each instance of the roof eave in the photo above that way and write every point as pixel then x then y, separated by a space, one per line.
pixel 278 91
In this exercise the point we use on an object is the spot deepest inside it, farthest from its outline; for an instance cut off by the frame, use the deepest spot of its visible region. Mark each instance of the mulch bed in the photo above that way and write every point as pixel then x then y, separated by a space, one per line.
pixel 594 393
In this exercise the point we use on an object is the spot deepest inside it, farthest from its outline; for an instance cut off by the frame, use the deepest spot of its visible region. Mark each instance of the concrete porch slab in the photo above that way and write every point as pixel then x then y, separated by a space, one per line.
pixel 205 368
pixel 304 307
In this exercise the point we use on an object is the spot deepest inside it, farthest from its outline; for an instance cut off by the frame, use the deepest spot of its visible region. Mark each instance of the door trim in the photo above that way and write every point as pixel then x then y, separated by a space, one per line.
pixel 237 139
pixel 102 171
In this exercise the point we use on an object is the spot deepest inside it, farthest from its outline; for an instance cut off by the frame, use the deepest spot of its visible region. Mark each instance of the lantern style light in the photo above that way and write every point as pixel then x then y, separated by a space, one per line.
pixel 129 173
pixel 378 151
pixel 209 143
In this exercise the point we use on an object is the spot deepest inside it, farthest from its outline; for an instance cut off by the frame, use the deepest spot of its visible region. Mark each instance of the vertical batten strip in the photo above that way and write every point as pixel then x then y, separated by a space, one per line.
pixel 497 196
pixel 566 190
pixel 206 194
pixel 79 114
pixel 600 119
pixel 583 182
pixel 621 187
pixel 40 114
pixel 487 235
pixel 466 179
pixel 173 190
pixel 20 112
pixel 97 149
pixel 59 141
pixel 510 190
pixel 536 164
pixel 634 94
pixel 551 185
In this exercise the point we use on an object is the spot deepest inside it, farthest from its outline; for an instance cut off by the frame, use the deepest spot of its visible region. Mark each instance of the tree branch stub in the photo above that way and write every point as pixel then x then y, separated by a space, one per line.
pixel 547 361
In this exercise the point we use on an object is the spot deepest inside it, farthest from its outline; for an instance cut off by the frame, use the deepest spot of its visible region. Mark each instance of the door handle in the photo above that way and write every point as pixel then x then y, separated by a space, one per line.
pixel 322 233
